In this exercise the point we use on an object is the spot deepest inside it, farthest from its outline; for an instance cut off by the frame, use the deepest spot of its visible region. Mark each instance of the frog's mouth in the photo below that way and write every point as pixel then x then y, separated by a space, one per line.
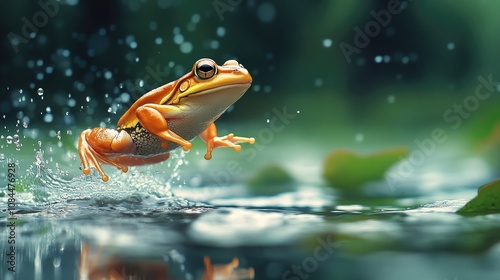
pixel 218 98
pixel 224 90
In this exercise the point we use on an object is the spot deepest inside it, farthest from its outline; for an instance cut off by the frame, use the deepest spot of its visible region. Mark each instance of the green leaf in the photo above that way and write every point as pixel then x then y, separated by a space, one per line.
pixel 271 179
pixel 348 171
pixel 486 201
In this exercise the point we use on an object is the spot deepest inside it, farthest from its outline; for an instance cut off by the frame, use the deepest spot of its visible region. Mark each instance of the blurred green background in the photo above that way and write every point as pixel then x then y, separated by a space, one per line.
pixel 370 80
pixel 91 59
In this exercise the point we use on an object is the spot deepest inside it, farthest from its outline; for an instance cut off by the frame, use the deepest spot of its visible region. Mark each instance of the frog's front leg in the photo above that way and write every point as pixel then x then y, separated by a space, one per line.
pixel 95 144
pixel 153 117
pixel 213 141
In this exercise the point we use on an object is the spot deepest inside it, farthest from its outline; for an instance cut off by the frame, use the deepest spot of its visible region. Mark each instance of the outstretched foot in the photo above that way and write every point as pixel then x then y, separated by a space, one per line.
pixel 229 141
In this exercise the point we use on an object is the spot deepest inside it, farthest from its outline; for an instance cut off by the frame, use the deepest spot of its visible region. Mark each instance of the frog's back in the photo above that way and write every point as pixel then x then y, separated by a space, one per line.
pixel 129 118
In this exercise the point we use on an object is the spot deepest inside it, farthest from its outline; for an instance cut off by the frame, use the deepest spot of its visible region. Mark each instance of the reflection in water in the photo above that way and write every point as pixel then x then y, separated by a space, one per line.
pixel 95 265
pixel 226 271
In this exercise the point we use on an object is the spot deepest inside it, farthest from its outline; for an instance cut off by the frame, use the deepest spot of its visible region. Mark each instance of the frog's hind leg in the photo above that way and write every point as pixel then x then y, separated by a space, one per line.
pixel 153 118
pixel 94 144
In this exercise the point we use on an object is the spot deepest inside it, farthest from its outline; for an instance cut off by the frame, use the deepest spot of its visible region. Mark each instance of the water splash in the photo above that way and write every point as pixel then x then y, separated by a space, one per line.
pixel 42 187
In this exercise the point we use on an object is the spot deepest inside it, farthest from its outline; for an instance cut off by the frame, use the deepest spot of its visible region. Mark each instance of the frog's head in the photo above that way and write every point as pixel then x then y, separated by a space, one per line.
pixel 212 86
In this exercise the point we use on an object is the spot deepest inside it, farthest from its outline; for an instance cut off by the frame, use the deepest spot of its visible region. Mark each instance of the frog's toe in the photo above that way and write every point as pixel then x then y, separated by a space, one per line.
pixel 238 139
pixel 105 178
pixel 187 146
pixel 237 148
pixel 208 156
pixel 86 171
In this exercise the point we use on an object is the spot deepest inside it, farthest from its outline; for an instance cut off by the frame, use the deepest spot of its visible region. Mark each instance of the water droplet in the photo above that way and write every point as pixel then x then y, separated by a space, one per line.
pixel 318 82
pixel 391 99
pixel 9 139
pixel 359 137
pixel 214 44
pixel 221 31
pixel 108 75
pixel 130 40
pixel 451 46
pixel 40 91
pixel 378 59
pixel 268 121
pixel 327 43
pixel 48 118
pixel 65 52
pixel 71 102
pixel 195 18
pixel 266 12
pixel 186 47
pixel 153 25
pixel 125 97
pixel 178 39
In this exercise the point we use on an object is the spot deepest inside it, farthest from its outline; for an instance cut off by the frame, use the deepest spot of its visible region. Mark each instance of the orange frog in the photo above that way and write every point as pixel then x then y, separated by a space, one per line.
pixel 168 117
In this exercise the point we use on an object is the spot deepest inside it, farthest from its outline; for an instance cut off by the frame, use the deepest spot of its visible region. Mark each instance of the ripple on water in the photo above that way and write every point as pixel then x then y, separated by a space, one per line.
pixel 229 227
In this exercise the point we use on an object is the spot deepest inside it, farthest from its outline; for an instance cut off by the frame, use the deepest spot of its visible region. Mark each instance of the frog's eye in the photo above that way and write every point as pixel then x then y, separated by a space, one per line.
pixel 205 69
